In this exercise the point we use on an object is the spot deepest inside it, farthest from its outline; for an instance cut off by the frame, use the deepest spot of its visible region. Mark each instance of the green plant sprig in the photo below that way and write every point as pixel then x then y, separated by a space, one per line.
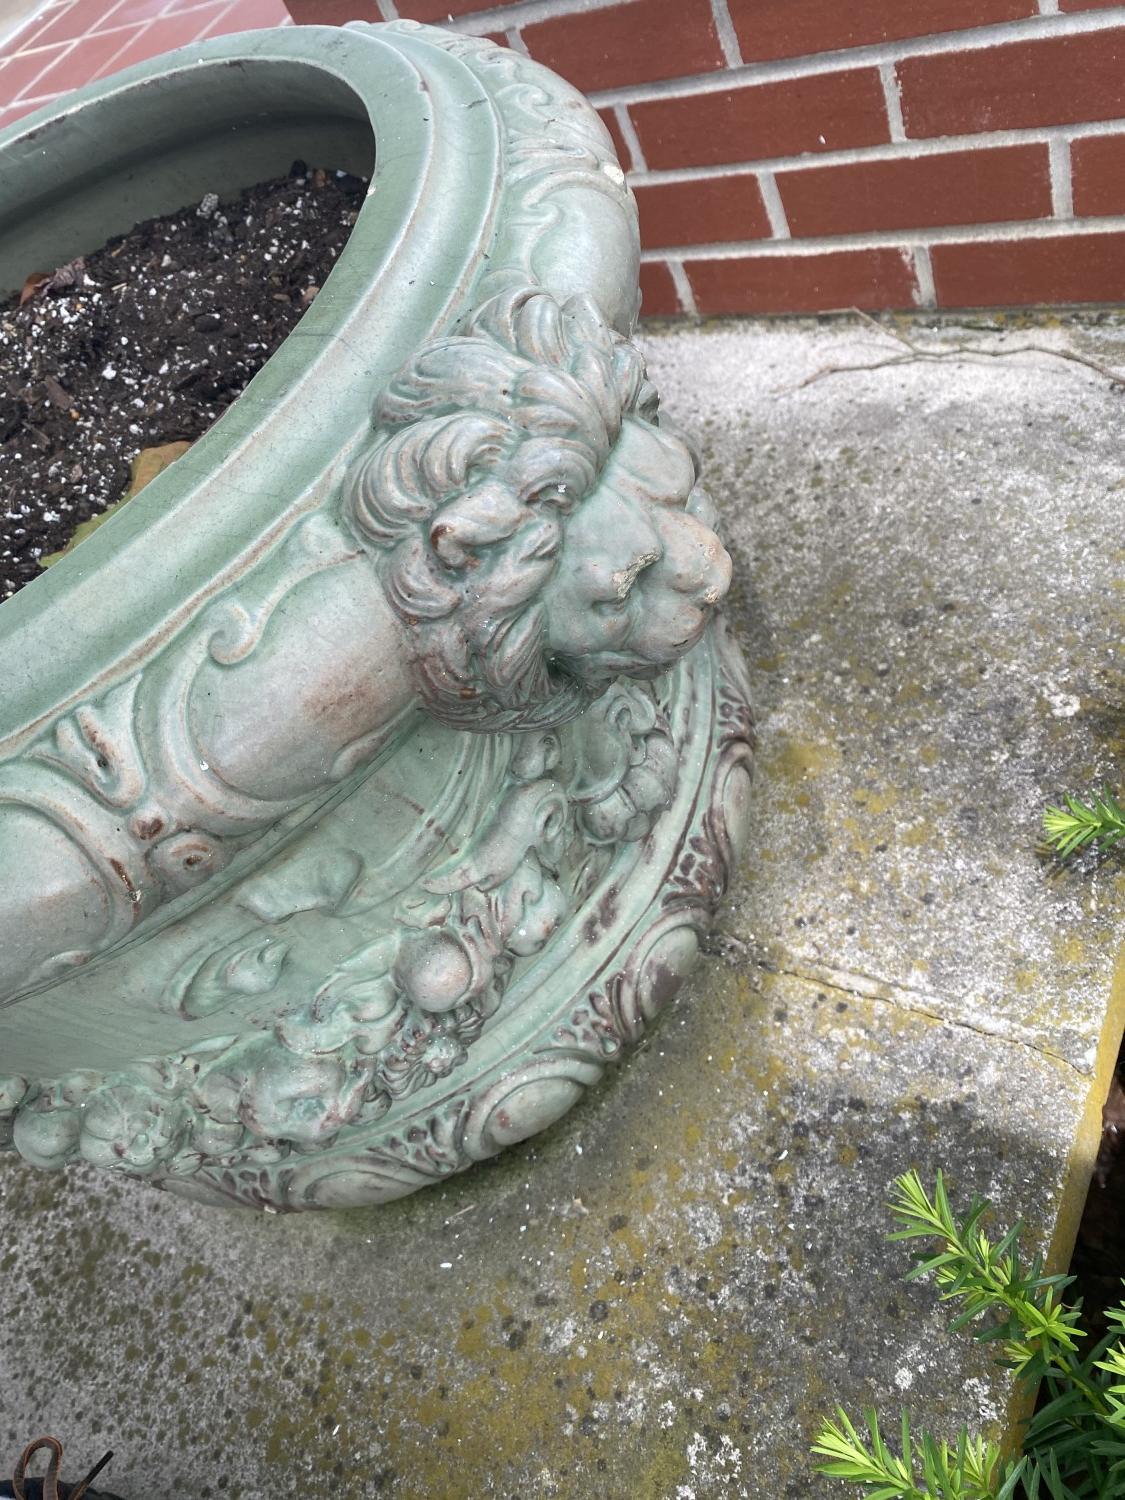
pixel 1079 824
pixel 973 1470
pixel 1073 1447
pixel 1035 1329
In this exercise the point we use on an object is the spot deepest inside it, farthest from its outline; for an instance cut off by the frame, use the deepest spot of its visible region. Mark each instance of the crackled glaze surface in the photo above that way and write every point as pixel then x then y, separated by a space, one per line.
pixel 357 854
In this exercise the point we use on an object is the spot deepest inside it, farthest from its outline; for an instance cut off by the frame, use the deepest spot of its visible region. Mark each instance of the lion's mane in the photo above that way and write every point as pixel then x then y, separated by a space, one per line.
pixel 485 442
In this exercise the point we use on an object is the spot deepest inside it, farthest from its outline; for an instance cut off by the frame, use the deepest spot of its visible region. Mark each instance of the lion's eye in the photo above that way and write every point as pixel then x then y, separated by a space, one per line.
pixel 550 494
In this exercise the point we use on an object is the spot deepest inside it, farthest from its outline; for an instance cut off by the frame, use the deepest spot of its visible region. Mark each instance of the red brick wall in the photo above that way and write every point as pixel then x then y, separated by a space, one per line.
pixel 787 155
pixel 59 45
pixel 807 155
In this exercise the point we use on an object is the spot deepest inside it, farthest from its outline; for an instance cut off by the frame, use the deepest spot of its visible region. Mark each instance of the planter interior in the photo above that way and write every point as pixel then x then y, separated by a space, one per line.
pixel 160 148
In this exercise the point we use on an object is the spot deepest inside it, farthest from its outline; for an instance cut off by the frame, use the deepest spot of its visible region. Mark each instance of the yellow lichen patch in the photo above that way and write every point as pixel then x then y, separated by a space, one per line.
pixel 797 760
pixel 874 803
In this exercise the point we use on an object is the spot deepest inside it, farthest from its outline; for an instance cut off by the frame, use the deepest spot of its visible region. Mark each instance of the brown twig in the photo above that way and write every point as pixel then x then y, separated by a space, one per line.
pixel 460 1214
pixel 84 1484
pixel 887 328
pixel 917 355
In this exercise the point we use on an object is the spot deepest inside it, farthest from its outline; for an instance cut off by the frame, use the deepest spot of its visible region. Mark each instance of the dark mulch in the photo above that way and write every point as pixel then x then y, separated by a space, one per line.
pixel 34 1489
pixel 1098 1262
pixel 147 342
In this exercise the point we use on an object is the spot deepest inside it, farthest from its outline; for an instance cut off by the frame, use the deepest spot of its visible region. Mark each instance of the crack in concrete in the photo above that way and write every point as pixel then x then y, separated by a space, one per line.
pixel 869 987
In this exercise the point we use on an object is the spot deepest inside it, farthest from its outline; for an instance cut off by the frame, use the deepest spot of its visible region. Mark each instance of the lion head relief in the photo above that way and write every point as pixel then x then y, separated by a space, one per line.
pixel 536 531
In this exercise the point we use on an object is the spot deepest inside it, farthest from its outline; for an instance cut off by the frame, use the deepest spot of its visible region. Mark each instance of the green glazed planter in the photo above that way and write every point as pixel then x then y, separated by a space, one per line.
pixel 367 783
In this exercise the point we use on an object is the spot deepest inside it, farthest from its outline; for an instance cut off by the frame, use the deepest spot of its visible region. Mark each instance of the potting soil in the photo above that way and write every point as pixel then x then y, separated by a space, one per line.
pixel 146 342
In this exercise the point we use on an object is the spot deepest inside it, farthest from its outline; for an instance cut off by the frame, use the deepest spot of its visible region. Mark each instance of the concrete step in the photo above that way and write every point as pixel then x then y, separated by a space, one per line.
pixel 661 1296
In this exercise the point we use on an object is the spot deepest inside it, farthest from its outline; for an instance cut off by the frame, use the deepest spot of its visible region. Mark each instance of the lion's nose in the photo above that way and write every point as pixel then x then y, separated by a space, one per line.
pixel 695 562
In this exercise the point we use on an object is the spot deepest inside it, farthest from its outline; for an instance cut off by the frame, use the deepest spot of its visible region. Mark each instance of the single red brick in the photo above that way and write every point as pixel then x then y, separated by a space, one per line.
pixel 337 12
pixel 793 28
pixel 803 283
pixel 87 61
pixel 1097 170
pixel 77 21
pixel 637 42
pixel 131 12
pixel 1050 81
pixel 821 113
pixel 443 10
pixel 624 155
pixel 705 211
pixel 16 112
pixel 659 297
pixel 249 15
pixel 1071 268
pixel 166 35
pixel 19 74
pixel 958 187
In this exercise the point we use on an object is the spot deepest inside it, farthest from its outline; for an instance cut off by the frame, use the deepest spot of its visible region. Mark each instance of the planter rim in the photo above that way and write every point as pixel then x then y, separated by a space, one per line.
pixel 256 468
pixel 149 741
